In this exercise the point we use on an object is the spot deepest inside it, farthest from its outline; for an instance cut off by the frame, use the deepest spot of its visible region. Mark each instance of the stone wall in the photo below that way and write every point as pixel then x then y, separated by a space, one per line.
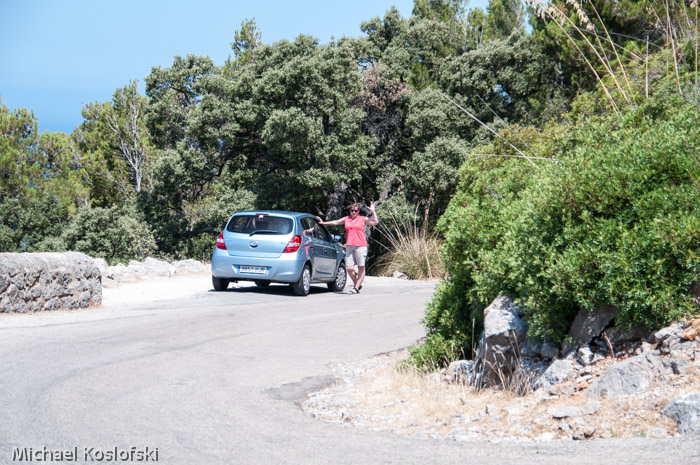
pixel 34 282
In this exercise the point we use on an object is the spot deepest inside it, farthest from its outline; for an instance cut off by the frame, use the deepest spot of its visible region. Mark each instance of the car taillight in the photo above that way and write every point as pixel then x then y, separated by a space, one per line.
pixel 220 244
pixel 293 245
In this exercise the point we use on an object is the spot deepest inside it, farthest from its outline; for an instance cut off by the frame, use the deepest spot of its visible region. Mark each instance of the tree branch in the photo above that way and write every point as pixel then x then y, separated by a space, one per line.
pixel 195 232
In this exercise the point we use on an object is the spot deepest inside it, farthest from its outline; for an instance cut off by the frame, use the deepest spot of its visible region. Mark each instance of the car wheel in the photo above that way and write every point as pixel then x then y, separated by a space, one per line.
pixel 303 286
pixel 220 284
pixel 261 283
pixel 341 277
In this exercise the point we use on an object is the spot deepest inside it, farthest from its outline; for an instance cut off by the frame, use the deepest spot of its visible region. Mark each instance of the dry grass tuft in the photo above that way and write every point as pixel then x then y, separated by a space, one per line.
pixel 412 249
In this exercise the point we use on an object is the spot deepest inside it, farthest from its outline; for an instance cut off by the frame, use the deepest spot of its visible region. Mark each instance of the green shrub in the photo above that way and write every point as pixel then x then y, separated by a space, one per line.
pixel 115 234
pixel 435 352
pixel 616 220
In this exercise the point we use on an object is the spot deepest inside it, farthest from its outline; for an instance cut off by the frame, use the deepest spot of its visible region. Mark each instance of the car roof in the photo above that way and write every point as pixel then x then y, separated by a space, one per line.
pixel 274 212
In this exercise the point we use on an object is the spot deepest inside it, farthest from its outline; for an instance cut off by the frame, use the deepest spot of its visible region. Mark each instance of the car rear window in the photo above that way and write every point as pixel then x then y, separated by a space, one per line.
pixel 262 224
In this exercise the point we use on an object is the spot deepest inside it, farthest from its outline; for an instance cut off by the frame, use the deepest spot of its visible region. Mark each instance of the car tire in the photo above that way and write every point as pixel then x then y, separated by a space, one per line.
pixel 261 283
pixel 303 286
pixel 341 278
pixel 220 284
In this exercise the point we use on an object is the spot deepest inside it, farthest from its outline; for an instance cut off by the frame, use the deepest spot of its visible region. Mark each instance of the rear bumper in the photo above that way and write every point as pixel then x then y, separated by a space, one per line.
pixel 285 269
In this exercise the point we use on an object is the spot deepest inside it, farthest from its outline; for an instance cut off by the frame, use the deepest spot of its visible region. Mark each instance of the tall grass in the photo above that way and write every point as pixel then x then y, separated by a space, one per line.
pixel 410 247
pixel 580 22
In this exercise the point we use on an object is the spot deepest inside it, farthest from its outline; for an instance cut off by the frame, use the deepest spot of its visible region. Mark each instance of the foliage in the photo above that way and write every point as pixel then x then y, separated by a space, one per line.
pixel 511 77
pixel 41 181
pixel 384 36
pixel 432 173
pixel 245 40
pixel 384 101
pixel 614 220
pixel 585 38
pixel 18 140
pixel 179 207
pixel 62 171
pixel 117 151
pixel 436 352
pixel 210 217
pixel 115 234
pixel 298 128
pixel 174 94
pixel 127 125
pixel 284 120
pixel 390 116
pixel 24 222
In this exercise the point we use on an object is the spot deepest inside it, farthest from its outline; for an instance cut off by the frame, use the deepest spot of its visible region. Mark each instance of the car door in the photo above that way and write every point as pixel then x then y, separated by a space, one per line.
pixel 323 253
pixel 329 256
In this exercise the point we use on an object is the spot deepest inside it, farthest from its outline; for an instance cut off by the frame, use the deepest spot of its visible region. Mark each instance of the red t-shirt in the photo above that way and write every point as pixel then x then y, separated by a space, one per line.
pixel 355 231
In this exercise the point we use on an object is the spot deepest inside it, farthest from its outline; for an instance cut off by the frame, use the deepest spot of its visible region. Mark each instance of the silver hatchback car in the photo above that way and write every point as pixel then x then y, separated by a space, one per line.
pixel 278 247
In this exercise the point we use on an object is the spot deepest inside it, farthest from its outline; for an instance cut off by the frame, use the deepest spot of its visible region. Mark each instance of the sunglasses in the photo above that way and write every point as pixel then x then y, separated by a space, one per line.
pixel 354 210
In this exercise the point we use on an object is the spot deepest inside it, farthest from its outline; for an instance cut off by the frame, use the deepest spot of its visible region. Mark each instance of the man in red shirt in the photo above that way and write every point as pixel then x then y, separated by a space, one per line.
pixel 355 242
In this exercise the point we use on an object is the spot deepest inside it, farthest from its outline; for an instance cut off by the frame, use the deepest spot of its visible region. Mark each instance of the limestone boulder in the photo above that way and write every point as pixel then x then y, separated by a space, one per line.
pixel 630 376
pixel 558 372
pixel 685 411
pixel 504 334
pixel 588 325
pixel 188 266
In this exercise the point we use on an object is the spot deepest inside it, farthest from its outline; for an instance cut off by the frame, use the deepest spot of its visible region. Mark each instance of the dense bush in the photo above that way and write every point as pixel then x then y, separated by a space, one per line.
pixel 615 219
pixel 115 234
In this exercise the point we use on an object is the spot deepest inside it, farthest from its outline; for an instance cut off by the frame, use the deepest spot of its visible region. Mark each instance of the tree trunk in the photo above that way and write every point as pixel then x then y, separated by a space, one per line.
pixel 335 201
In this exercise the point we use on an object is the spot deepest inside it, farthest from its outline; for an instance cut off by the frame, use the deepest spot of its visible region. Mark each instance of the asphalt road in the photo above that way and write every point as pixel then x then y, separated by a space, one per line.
pixel 216 378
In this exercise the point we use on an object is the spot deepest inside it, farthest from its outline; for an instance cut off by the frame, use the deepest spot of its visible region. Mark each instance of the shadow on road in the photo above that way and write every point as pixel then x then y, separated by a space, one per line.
pixel 276 289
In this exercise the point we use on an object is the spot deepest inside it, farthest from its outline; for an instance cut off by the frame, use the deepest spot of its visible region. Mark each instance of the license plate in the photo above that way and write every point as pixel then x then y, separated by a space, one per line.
pixel 253 269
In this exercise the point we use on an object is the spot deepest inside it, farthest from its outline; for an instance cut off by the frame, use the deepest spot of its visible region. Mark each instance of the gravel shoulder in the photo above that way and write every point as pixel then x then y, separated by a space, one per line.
pixel 374 395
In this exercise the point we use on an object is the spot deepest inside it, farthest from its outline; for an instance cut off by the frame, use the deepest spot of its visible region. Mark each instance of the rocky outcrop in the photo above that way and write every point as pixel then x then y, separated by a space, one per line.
pixel 668 406
pixel 504 334
pixel 588 325
pixel 598 360
pixel 149 268
pixel 558 372
pixel 648 368
pixel 188 266
pixel 685 411
pixel 618 337
pixel 630 376
pixel 35 282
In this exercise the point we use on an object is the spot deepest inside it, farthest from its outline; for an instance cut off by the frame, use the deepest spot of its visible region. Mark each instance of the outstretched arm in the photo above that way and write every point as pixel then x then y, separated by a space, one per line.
pixel 337 222
pixel 373 220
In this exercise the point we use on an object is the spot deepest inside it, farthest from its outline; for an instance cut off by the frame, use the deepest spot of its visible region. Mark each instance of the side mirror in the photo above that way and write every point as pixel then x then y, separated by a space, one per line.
pixel 337 238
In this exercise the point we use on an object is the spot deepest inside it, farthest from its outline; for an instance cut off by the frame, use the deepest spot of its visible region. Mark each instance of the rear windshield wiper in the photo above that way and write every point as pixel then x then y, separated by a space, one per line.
pixel 264 231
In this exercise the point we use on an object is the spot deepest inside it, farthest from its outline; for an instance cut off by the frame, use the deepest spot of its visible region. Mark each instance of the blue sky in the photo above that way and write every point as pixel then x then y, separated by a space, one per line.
pixel 56 56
